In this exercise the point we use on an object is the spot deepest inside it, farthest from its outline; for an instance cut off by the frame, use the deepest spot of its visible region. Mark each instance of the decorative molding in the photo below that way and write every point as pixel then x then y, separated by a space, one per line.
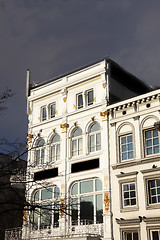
pixel 54 130
pixel 135 162
pixel 64 126
pixel 122 174
pixel 136 118
pixel 150 170
pixel 94 100
pixel 86 81
pixel 30 111
pixel 106 201
pixel 125 222
pixel 151 220
pixel 56 113
pixel 39 118
pixel 75 124
pixel 74 106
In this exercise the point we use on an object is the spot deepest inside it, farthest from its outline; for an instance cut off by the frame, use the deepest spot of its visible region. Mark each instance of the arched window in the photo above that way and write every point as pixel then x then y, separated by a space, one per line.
pixel 55 148
pixel 95 138
pixel 77 142
pixel 47 203
pixel 87 202
pixel 40 152
pixel 126 142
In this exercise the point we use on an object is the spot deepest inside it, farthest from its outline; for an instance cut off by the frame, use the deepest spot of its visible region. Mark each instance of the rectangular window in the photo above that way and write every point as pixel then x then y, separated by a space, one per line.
pixel 155 234
pixel 89 97
pixel 151 142
pixel 154 191
pixel 128 194
pixel 126 147
pixel 129 235
pixel 43 113
pixel 52 110
pixel 79 101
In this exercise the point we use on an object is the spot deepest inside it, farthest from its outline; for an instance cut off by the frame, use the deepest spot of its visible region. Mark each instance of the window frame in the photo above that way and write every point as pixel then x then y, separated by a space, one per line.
pixel 50 115
pixel 87 97
pixel 78 151
pixel 127 143
pixel 41 202
pixel 152 146
pixel 41 151
pixel 80 194
pixel 154 230
pixel 149 204
pixel 77 101
pixel 127 180
pixel 94 135
pixel 55 145
pixel 41 114
pixel 132 231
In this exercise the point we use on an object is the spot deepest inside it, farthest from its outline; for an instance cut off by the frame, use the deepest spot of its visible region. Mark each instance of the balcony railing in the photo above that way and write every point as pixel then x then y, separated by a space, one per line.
pixel 73 231
pixel 14 233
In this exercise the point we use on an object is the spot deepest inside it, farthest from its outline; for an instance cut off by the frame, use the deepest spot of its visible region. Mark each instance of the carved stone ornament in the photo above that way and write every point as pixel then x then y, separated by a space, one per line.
pixel 64 126
pixel 29 137
pixel 106 201
pixel 75 124
pixel 104 114
pixel 104 84
pixel 92 118
pixel 64 99
pixel 54 130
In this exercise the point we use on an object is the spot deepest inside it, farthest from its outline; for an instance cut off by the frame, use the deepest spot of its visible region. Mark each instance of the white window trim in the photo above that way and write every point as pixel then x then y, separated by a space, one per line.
pixel 41 113
pixel 144 142
pixel 130 207
pixel 49 109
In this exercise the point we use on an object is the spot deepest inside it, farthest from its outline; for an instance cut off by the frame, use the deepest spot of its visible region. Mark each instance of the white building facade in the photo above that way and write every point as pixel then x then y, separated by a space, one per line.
pixel 135 167
pixel 71 147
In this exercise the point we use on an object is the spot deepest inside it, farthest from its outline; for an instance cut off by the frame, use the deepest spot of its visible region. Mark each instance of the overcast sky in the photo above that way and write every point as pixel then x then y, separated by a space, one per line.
pixel 51 37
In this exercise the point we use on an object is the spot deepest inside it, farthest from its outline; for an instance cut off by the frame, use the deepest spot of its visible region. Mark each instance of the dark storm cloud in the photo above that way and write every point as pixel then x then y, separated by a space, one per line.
pixel 54 36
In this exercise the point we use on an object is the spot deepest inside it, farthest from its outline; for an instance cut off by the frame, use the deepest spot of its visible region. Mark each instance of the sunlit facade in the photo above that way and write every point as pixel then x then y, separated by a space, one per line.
pixel 69 187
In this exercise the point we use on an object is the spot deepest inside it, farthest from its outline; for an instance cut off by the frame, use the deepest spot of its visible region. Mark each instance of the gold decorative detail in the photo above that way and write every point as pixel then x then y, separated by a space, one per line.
pixel 29 137
pixel 75 124
pixel 62 208
pixel 56 112
pixel 46 96
pixel 106 201
pixel 74 106
pixel 94 99
pixel 25 214
pixel 54 130
pixel 64 126
pixel 92 119
pixel 30 111
pixel 104 84
pixel 38 134
pixel 64 99
pixel 104 114
pixel 39 118
pixel 27 146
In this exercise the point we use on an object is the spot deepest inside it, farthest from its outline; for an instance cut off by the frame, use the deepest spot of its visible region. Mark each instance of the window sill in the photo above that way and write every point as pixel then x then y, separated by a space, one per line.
pixel 129 209
pixel 153 206
pixel 134 162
